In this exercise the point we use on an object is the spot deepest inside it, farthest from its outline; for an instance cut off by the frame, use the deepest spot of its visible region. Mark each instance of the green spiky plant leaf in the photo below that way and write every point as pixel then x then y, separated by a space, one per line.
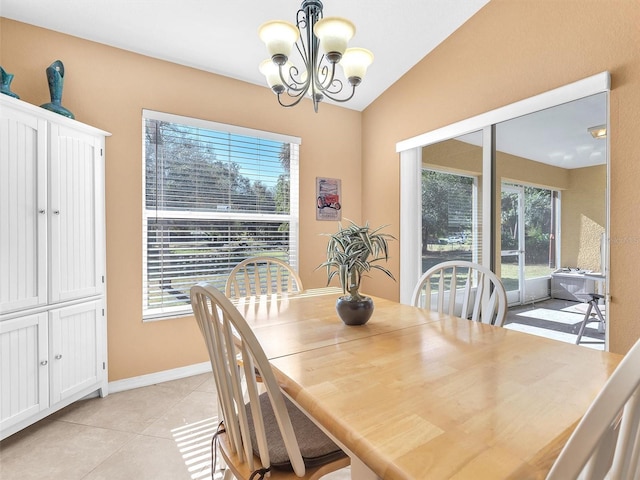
pixel 354 251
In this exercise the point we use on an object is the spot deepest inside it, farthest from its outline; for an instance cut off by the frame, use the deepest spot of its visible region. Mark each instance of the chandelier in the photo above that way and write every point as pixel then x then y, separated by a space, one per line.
pixel 317 76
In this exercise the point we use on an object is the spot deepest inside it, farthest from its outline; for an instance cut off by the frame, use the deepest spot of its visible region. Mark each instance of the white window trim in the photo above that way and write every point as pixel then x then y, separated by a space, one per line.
pixel 167 313
pixel 222 127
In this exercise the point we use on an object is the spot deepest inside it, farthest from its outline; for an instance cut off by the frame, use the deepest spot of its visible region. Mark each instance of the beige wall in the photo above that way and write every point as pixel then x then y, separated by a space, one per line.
pixel 508 51
pixel 464 158
pixel 108 88
pixel 583 217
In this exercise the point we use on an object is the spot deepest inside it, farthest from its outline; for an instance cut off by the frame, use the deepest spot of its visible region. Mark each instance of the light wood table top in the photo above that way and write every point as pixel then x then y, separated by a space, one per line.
pixel 308 320
pixel 435 397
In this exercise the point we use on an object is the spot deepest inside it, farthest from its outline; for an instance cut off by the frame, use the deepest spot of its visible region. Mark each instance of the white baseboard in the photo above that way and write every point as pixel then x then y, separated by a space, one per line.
pixel 159 377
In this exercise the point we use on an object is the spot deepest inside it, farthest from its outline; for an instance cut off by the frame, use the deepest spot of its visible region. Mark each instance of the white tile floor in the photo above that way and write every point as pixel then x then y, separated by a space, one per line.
pixel 162 431
pixel 556 319
pixel 158 432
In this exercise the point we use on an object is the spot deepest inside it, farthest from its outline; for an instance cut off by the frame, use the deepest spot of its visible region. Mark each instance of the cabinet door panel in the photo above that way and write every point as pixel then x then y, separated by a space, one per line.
pixel 73 222
pixel 22 198
pixel 24 368
pixel 76 358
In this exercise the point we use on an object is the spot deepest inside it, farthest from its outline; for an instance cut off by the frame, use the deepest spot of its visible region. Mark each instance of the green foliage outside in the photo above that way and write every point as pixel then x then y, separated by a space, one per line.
pixel 537 221
pixel 184 173
pixel 447 203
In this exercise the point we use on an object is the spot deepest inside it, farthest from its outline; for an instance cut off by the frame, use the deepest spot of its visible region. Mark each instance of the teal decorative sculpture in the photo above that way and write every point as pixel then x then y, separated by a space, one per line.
pixel 5 86
pixel 55 77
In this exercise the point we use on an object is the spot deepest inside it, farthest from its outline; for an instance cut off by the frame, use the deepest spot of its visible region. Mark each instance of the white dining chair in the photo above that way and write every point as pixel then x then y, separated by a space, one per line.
pixel 269 434
pixel 606 442
pixel 464 289
pixel 262 275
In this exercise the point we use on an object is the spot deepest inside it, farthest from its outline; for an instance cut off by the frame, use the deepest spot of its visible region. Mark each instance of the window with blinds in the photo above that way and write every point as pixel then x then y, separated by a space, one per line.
pixel 451 214
pixel 214 195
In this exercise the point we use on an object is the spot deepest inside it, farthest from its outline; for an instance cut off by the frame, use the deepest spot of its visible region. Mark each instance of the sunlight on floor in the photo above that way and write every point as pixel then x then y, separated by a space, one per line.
pixel 194 443
pixel 566 317
pixel 556 319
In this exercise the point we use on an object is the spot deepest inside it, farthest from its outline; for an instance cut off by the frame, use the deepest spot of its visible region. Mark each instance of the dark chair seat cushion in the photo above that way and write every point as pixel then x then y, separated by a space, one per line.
pixel 316 448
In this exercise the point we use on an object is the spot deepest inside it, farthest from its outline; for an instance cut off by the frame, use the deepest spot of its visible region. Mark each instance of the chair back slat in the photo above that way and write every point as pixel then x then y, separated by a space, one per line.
pixel 606 442
pixel 256 409
pixel 228 337
pixel 441 291
pixel 235 380
pixel 203 309
pixel 262 276
pixel 479 298
pixel 492 307
pixel 626 459
pixel 466 295
pixel 453 286
pixel 463 286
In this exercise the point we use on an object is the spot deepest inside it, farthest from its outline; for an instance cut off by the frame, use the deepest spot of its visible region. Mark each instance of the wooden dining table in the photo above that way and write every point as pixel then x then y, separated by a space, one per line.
pixel 417 395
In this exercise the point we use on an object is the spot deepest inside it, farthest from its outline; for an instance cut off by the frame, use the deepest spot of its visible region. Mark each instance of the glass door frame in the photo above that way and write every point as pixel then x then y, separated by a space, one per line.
pixel 410 152
pixel 519 252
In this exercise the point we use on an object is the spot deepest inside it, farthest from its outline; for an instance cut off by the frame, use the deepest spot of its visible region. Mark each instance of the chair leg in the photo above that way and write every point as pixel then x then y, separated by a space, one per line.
pixel 584 322
pixel 593 306
pixel 601 323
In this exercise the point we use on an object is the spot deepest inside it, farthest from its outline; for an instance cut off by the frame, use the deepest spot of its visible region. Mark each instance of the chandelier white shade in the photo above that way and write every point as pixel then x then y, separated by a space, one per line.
pixel 321 44
pixel 279 37
pixel 334 33
pixel 355 62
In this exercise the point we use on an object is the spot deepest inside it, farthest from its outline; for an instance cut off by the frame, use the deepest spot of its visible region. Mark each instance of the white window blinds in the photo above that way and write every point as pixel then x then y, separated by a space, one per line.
pixel 213 195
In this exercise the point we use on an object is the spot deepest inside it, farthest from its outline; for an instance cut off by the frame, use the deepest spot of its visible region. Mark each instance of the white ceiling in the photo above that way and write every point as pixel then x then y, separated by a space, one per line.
pixel 221 36
pixel 556 136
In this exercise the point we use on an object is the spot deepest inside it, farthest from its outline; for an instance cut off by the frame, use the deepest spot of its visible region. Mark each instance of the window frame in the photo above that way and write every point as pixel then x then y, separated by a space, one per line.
pixel 169 312
pixel 475 213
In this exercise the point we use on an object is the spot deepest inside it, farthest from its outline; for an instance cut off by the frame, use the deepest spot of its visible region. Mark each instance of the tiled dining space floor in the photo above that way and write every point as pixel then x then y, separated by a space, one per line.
pixel 157 432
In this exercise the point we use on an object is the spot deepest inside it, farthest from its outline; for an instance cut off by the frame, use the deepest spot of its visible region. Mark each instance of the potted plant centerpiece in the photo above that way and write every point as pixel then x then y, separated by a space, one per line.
pixel 351 253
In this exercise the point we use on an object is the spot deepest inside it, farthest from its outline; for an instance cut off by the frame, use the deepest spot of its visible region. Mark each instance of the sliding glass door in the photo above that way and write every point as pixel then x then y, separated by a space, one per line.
pixel 521 190
pixel 512 243
pixel 528 241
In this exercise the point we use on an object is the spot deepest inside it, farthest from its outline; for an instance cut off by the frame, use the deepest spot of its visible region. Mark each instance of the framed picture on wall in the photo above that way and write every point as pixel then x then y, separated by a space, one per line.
pixel 328 193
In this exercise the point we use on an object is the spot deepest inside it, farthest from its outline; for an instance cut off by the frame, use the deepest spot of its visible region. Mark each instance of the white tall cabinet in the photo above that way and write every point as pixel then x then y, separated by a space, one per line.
pixel 52 263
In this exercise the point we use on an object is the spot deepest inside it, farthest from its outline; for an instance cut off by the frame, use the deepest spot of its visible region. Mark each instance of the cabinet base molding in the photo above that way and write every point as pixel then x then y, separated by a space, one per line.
pixel 114 387
pixel 6 432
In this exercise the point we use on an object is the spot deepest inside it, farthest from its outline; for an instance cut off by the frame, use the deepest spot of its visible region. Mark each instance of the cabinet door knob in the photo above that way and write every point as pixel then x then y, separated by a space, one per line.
pixel 56 212
pixel 58 357
pixel 43 362
pixel 41 211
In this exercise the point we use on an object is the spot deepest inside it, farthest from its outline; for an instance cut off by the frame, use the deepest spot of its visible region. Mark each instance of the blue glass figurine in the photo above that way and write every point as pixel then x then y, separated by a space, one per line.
pixel 55 77
pixel 5 86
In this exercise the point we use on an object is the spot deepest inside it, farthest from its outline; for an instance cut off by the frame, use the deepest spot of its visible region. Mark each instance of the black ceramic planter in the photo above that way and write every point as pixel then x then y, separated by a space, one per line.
pixel 354 312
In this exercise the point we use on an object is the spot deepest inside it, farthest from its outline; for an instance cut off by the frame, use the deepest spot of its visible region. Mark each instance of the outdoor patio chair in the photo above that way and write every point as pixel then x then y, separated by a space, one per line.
pixel 593 313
